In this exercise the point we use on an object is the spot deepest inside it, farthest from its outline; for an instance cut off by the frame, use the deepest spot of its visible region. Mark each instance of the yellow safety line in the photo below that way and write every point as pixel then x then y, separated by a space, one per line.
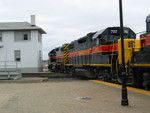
pixel 92 64
pixel 140 64
pixel 119 86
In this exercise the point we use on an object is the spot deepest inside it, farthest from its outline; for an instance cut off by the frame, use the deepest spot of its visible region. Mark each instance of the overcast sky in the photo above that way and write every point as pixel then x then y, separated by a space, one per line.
pixel 67 20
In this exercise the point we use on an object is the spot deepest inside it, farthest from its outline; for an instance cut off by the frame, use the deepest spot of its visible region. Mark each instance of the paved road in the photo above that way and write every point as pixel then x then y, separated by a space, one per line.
pixel 68 95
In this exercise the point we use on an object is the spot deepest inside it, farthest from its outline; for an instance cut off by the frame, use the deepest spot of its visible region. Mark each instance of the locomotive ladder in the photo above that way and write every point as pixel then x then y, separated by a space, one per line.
pixel 113 63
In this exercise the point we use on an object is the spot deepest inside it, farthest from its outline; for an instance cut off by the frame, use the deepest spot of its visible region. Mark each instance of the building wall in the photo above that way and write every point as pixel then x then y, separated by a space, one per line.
pixel 31 60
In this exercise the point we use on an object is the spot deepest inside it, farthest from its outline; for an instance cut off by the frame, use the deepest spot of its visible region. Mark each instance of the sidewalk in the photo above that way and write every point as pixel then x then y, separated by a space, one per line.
pixel 78 96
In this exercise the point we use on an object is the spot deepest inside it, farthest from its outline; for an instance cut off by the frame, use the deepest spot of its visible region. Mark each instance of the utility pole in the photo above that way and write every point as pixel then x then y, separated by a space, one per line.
pixel 124 100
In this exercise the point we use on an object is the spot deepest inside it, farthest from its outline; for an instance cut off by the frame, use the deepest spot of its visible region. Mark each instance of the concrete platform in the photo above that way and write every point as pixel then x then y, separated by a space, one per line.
pixel 26 80
pixel 68 96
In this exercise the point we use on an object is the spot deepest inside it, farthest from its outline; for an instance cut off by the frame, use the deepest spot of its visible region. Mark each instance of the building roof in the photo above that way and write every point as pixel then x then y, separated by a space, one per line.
pixel 9 26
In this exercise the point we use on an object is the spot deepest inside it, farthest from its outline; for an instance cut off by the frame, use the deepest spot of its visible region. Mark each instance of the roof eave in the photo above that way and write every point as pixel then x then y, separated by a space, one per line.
pixel 39 29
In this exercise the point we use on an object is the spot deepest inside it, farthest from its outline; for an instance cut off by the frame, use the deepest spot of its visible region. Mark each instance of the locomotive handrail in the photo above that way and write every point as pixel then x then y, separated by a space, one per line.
pixel 117 65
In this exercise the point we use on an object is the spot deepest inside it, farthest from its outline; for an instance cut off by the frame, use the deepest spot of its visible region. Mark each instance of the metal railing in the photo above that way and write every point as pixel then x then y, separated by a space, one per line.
pixel 9 70
pixel 8 66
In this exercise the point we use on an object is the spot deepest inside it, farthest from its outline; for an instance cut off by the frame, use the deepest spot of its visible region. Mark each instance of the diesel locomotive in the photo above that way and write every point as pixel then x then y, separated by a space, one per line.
pixel 98 55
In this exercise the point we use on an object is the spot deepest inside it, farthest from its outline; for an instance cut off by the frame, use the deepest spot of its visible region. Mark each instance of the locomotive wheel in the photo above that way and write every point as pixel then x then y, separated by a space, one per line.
pixel 107 77
pixel 95 73
pixel 100 75
pixel 104 76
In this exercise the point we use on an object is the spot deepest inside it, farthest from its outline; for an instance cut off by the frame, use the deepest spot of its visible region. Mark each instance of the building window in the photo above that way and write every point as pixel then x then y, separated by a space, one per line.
pixel 17 55
pixel 25 37
pixel 22 36
pixel 1 36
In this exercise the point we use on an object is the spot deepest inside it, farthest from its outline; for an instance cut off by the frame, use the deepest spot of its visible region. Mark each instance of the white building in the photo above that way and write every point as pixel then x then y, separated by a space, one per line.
pixel 22 42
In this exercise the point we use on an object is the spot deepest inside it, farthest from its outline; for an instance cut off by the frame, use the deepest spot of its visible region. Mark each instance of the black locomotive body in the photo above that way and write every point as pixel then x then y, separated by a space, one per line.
pixel 95 55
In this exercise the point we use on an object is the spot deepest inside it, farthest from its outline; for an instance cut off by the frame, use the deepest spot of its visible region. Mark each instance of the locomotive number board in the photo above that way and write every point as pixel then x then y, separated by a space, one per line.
pixel 116 31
